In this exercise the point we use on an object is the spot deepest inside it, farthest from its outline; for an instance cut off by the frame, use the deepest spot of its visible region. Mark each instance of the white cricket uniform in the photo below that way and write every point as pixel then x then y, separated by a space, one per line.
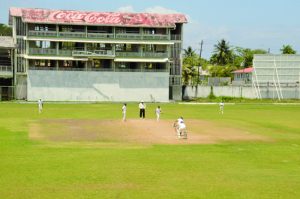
pixel 181 127
pixel 181 124
pixel 40 104
pixel 221 107
pixel 124 112
pixel 157 111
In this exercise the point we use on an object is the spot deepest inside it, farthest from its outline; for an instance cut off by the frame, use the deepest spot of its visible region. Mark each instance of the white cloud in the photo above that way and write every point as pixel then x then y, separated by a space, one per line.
pixel 155 9
pixel 195 31
pixel 126 9
pixel 159 9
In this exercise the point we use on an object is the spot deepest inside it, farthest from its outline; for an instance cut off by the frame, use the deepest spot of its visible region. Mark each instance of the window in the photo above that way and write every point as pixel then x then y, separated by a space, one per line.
pixel 44 63
pixel 42 44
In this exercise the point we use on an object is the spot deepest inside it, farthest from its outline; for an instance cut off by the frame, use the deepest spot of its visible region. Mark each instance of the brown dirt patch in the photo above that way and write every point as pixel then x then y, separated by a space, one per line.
pixel 135 131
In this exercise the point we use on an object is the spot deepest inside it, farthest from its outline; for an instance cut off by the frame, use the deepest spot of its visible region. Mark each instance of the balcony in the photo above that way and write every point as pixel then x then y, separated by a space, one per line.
pixel 100 36
pixel 72 34
pixel 94 53
pixel 49 52
pixel 175 37
pixel 129 36
pixel 34 33
pixel 140 70
pixel 155 37
pixel 42 51
pixel 142 54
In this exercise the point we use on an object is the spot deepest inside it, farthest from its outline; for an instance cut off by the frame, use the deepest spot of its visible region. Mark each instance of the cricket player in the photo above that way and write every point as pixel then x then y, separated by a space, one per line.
pixel 221 107
pixel 158 112
pixel 142 107
pixel 40 105
pixel 180 128
pixel 124 112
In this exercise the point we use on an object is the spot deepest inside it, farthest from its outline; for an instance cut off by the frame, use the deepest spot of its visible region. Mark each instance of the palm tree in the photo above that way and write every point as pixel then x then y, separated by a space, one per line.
pixel 189 52
pixel 287 49
pixel 222 53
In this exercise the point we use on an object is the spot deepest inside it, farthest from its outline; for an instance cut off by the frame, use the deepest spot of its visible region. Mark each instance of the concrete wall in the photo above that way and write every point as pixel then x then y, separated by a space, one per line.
pixel 21 87
pixel 97 86
pixel 177 93
pixel 231 91
pixel 241 91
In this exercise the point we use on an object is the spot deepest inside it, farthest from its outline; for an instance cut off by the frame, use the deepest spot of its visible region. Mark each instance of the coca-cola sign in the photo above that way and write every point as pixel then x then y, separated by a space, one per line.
pixel 99 18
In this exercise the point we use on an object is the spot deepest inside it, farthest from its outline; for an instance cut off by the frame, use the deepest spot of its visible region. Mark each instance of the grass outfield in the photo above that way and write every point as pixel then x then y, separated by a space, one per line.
pixel 41 168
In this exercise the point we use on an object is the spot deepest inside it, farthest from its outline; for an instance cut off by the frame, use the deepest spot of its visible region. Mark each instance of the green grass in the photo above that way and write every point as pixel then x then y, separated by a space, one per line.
pixel 32 169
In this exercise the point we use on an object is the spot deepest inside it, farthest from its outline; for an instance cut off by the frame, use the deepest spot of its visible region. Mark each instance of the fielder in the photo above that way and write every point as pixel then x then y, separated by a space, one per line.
pixel 180 128
pixel 124 112
pixel 157 112
pixel 40 105
pixel 221 107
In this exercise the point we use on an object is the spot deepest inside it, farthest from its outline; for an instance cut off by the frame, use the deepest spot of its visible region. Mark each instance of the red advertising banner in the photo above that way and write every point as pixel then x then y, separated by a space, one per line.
pixel 98 18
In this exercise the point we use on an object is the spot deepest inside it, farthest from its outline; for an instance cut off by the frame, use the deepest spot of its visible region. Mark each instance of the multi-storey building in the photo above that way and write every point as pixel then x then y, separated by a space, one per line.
pixel 6 70
pixel 96 56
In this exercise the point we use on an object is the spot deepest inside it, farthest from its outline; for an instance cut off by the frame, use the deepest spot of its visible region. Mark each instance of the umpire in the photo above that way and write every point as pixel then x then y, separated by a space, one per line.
pixel 142 107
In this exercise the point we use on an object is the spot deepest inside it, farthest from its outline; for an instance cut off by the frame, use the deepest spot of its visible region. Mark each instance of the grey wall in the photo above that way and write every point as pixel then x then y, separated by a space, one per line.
pixel 241 91
pixel 230 91
pixel 97 86
pixel 21 87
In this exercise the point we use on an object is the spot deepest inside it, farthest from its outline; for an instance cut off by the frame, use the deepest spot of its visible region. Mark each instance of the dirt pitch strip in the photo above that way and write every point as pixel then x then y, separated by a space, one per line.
pixel 135 131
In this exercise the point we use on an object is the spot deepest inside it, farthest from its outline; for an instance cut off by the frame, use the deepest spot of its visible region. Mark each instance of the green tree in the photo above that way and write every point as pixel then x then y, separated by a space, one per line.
pixel 189 52
pixel 245 56
pixel 222 71
pixel 190 64
pixel 222 54
pixel 287 49
pixel 5 30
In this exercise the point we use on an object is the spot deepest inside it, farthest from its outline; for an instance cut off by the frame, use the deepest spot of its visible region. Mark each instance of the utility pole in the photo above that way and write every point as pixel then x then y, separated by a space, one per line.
pixel 200 54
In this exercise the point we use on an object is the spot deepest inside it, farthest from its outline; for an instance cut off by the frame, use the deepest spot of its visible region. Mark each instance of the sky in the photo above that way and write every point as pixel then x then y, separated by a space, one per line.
pixel 255 24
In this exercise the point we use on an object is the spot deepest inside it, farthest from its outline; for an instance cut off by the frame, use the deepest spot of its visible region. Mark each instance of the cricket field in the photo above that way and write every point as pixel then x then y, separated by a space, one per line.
pixel 86 151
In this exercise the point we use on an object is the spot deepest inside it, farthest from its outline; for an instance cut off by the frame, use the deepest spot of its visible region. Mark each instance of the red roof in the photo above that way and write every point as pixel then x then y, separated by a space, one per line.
pixel 97 18
pixel 245 70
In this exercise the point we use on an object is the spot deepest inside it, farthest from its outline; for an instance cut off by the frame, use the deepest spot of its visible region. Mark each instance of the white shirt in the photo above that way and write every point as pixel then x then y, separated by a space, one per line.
pixel 157 110
pixel 40 103
pixel 181 124
pixel 142 105
pixel 221 104
pixel 124 109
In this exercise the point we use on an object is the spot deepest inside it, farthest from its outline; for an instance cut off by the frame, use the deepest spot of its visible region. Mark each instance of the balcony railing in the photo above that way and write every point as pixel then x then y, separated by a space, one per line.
pixel 175 37
pixel 93 53
pixel 100 35
pixel 96 69
pixel 49 51
pixel 142 54
pixel 65 53
pixel 129 36
pixel 140 70
pixel 155 37
pixel 72 34
pixel 42 33
pixel 5 69
pixel 91 35
pixel 42 51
